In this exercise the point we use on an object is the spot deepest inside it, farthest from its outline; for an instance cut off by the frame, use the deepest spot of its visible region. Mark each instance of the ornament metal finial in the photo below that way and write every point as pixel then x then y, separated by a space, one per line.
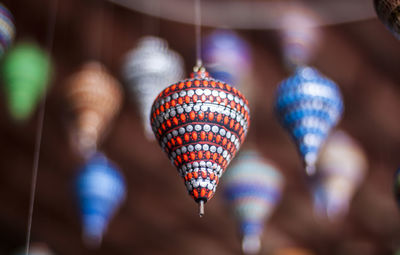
pixel 201 208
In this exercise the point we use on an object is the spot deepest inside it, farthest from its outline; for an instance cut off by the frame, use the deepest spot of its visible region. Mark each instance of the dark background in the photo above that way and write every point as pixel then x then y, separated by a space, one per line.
pixel 158 217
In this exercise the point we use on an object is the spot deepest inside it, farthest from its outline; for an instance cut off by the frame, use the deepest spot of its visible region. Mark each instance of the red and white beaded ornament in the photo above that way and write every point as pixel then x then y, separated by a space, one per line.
pixel 200 123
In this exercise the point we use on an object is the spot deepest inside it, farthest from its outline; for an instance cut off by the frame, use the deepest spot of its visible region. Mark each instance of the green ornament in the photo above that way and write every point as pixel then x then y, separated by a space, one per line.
pixel 25 73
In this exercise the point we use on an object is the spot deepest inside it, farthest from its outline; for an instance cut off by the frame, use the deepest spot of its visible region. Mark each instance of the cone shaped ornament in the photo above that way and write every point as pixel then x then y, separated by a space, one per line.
pixel 148 69
pixel 226 56
pixel 7 29
pixel 308 106
pixel 95 98
pixel 389 13
pixel 26 74
pixel 341 168
pixel 253 186
pixel 200 123
pixel 100 190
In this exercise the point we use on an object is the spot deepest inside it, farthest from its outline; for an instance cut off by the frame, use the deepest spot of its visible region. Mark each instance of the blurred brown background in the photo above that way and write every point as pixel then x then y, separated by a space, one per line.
pixel 158 216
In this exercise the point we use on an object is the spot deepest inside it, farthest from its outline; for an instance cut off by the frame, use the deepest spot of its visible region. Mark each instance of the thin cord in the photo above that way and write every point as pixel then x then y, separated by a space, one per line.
pixel 38 142
pixel 197 15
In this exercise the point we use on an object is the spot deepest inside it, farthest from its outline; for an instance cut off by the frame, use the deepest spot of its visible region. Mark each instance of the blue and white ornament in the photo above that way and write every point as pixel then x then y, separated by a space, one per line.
pixel 226 56
pixel 253 187
pixel 149 68
pixel 101 190
pixel 308 106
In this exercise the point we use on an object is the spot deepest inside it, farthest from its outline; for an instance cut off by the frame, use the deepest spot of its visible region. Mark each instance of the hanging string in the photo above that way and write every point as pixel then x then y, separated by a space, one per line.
pixel 39 134
pixel 197 15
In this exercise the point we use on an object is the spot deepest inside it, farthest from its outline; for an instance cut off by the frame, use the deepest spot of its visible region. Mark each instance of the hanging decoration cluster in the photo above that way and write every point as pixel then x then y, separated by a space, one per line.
pixel 26 74
pixel 94 97
pixel 341 169
pixel 226 56
pixel 200 123
pixel 389 13
pixel 148 69
pixel 253 186
pixel 101 190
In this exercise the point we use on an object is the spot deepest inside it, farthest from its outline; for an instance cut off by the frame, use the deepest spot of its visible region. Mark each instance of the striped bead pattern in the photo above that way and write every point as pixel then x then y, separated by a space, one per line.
pixel 308 105
pixel 7 29
pixel 200 123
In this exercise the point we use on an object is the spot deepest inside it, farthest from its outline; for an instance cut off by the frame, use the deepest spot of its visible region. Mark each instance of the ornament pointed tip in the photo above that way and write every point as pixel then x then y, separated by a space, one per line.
pixel 251 244
pixel 92 241
pixel 310 170
pixel 201 208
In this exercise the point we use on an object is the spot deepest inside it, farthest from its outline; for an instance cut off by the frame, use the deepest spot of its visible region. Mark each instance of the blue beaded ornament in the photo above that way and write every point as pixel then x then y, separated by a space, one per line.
pixel 100 190
pixel 7 29
pixel 253 187
pixel 226 56
pixel 308 106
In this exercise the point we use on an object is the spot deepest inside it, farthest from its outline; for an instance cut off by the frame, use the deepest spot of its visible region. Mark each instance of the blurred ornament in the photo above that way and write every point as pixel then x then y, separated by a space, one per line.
pixel 7 29
pixel 226 56
pixel 25 72
pixel 292 251
pixel 36 249
pixel 95 98
pixel 389 13
pixel 299 36
pixel 100 190
pixel 341 168
pixel 253 187
pixel 308 106
pixel 148 69
pixel 200 123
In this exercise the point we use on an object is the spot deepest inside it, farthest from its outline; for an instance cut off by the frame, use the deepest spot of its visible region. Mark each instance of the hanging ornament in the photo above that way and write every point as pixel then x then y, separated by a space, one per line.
pixel 299 36
pixel 200 123
pixel 100 190
pixel 7 29
pixel 25 73
pixel 341 168
pixel 95 98
pixel 253 187
pixel 226 56
pixel 148 69
pixel 308 106
pixel 389 13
